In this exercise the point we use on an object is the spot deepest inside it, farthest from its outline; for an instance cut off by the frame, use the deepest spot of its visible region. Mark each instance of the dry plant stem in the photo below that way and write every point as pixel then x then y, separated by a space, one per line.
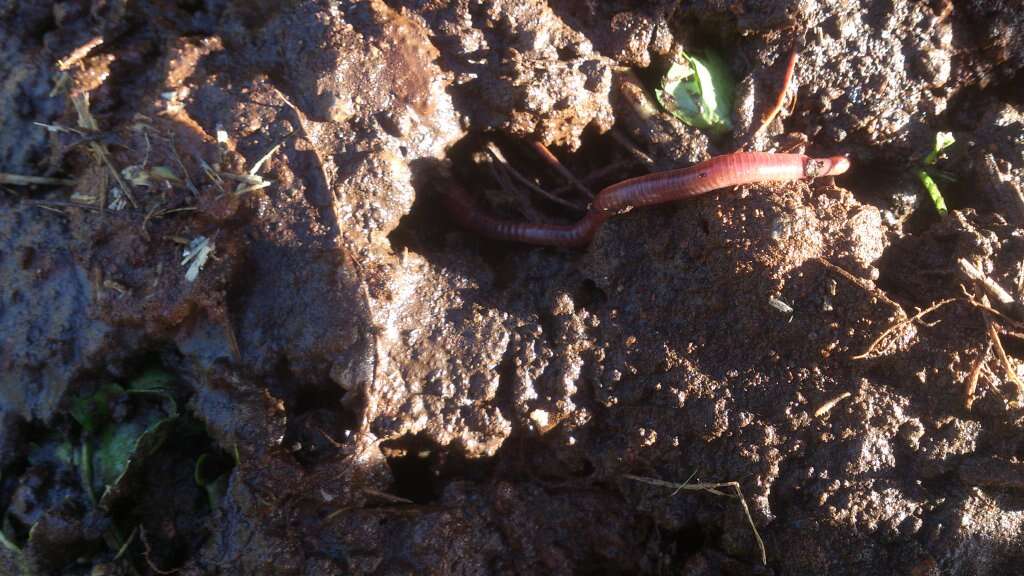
pixel 991 287
pixel 598 175
pixel 1011 372
pixel 972 378
pixel 888 331
pixel 713 488
pixel 79 53
pixel 864 284
pixel 780 101
pixel 986 308
pixel 555 163
pixel 632 149
pixel 387 497
pixel 526 181
pixel 86 121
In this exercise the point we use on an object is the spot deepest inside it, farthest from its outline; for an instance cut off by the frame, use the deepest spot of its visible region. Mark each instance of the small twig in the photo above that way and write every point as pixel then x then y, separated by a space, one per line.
pixel 385 496
pixel 87 122
pixel 213 175
pixel 891 329
pixel 496 153
pixel 20 180
pixel 986 308
pixel 1011 372
pixel 77 54
pixel 127 542
pixel 780 101
pixel 146 551
pixel 827 406
pixel 229 332
pixel 101 151
pixel 972 378
pixel 598 175
pixel 713 488
pixel 873 290
pixel 59 128
pixel 639 154
pixel 995 290
pixel 555 163
pixel 188 179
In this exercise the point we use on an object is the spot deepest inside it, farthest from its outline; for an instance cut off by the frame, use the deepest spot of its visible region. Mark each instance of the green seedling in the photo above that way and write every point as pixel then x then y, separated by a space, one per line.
pixel 943 140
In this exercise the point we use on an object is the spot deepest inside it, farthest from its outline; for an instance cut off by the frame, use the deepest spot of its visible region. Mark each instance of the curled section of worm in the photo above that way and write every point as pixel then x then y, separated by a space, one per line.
pixel 723 171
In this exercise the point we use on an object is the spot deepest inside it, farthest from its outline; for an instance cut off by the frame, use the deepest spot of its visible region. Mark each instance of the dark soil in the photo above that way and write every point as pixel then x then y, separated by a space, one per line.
pixel 380 392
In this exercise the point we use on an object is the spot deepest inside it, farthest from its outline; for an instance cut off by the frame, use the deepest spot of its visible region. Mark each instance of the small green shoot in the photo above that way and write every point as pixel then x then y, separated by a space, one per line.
pixel 943 140
pixel 933 192
pixel 699 92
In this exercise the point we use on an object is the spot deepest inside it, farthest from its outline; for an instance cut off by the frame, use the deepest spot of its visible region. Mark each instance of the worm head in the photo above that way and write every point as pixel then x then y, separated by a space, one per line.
pixel 833 166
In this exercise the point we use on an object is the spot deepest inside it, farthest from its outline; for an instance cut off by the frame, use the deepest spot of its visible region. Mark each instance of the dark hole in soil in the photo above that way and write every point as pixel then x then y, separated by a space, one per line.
pixel 318 421
pixel 525 458
pixel 688 541
pixel 413 461
pixel 589 296
pixel 876 183
pixel 421 468
pixel 424 229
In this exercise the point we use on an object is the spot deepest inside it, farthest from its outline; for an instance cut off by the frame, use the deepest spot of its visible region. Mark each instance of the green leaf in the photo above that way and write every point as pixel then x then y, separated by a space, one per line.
pixel 699 92
pixel 92 412
pixel 122 452
pixel 110 450
pixel 933 192
pixel 153 381
pixel 943 140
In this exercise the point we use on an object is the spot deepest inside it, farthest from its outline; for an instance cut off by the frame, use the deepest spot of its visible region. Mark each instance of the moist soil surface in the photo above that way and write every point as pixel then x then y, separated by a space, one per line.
pixel 241 334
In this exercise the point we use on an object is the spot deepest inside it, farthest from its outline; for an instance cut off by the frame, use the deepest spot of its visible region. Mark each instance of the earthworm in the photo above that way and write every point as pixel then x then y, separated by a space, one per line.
pixel 780 101
pixel 723 171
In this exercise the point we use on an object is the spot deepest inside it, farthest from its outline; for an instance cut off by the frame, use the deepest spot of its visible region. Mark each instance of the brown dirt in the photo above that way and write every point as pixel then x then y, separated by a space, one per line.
pixel 405 397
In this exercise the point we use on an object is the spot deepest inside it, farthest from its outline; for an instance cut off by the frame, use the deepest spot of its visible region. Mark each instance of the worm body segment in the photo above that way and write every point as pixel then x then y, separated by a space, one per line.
pixel 724 171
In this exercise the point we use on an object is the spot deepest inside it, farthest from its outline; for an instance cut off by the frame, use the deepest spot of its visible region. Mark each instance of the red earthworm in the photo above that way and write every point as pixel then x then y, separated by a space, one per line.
pixel 733 169
pixel 780 101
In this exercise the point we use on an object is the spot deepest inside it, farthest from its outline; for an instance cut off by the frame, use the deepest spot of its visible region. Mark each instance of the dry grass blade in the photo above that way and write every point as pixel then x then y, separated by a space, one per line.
pixel 713 488
pixel 972 378
pixel 87 122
